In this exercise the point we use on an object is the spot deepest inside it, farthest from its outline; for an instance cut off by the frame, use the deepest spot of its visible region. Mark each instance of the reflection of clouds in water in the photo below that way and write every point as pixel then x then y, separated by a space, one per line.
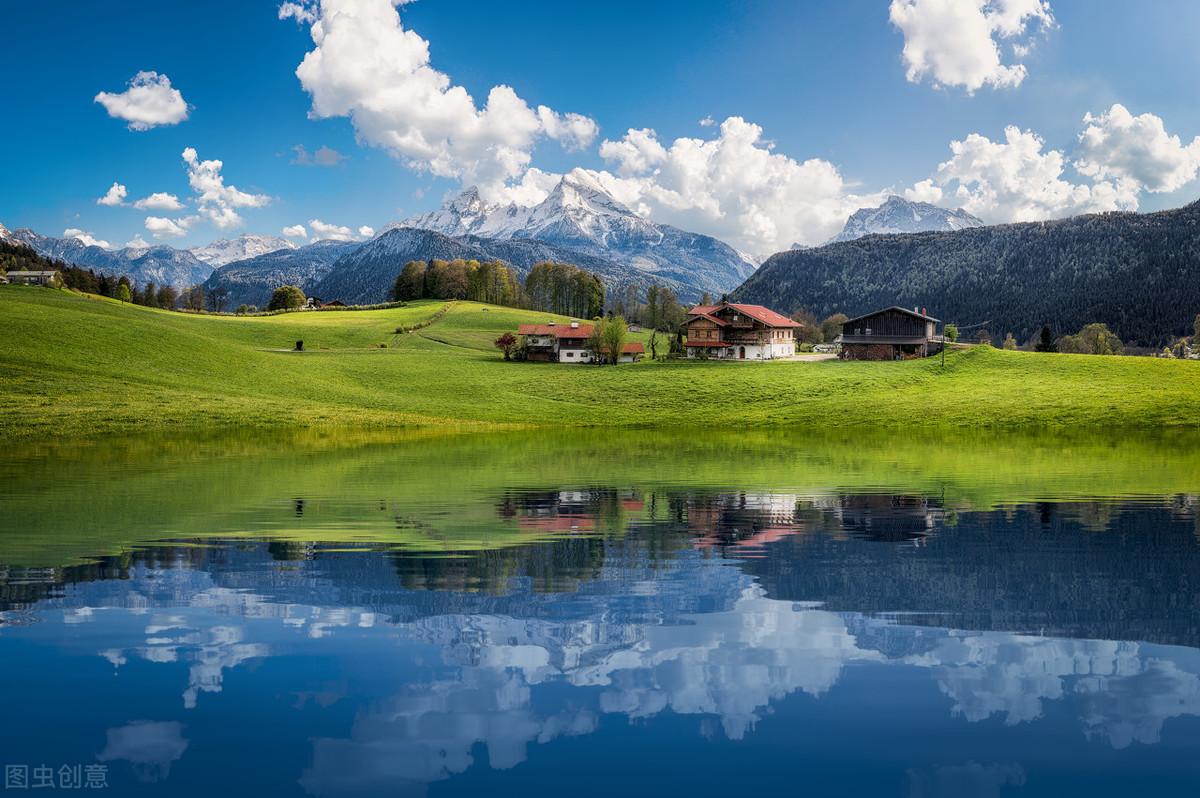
pixel 642 656
pixel 149 746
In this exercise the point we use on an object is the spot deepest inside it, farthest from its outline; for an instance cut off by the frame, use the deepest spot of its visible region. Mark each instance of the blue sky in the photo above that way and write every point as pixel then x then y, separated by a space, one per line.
pixel 840 117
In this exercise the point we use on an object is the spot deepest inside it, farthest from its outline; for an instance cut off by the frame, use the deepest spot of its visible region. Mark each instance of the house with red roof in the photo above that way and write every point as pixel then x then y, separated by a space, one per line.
pixel 554 342
pixel 734 331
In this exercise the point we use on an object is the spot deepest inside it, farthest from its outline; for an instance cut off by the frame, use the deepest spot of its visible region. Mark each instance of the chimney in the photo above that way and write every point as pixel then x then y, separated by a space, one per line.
pixel 549 324
pixel 924 312
pixel 574 325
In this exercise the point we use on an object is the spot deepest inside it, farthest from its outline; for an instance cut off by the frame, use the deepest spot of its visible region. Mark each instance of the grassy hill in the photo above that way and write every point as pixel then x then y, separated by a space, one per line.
pixel 75 365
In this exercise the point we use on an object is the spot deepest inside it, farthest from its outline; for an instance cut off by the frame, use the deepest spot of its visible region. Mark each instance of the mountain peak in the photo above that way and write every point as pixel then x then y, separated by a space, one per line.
pixel 247 245
pixel 899 215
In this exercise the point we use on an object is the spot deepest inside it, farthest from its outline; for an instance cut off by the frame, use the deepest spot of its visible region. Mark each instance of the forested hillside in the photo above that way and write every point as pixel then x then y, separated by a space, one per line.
pixel 1138 273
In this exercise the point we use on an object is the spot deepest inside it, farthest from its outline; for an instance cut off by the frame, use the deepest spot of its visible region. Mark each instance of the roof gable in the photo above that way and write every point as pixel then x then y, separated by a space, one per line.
pixel 893 308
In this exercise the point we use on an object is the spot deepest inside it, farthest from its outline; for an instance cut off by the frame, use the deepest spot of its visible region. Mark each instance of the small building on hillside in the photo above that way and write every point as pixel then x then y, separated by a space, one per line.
pixel 51 277
pixel 733 331
pixel 893 333
pixel 568 343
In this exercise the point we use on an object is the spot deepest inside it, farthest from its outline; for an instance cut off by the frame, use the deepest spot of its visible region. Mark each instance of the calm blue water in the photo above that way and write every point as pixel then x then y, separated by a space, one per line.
pixel 703 642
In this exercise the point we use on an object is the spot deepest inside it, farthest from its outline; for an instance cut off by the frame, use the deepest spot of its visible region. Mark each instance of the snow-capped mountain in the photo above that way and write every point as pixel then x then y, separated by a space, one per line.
pixel 223 251
pixel 160 263
pixel 251 281
pixel 5 235
pixel 898 215
pixel 579 214
pixel 366 273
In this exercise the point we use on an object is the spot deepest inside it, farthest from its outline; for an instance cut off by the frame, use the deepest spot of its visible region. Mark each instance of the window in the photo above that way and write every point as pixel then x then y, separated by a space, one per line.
pixel 570 354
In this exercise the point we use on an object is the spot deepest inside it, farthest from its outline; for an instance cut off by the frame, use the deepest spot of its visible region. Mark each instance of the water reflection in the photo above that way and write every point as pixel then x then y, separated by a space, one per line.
pixel 949 649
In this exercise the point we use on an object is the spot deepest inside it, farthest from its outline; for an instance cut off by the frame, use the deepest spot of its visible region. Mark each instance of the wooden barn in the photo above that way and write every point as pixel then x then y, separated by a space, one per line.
pixel 893 333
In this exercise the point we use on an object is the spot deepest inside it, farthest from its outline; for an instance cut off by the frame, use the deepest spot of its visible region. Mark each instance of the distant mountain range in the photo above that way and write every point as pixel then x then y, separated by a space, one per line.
pixel 1135 272
pixel 898 215
pixel 160 264
pixel 578 222
pixel 579 215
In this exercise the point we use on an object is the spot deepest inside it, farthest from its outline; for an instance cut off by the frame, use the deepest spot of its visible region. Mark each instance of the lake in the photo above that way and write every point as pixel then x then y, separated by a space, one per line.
pixel 603 613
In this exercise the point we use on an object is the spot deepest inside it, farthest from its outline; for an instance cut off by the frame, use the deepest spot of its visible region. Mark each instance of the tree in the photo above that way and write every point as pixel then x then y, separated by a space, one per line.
pixel 983 338
pixel 167 296
pixel 706 298
pixel 1010 343
pixel 1093 339
pixel 596 340
pixel 148 295
pixel 951 332
pixel 653 315
pixel 123 293
pixel 832 326
pixel 507 344
pixel 810 328
pixel 193 298
pixel 654 345
pixel 286 297
pixel 410 282
pixel 217 298
pixel 1196 331
pixel 613 338
pixel 1046 341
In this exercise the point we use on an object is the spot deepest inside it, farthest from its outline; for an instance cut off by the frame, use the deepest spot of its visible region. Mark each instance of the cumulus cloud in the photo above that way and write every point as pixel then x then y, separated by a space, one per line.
pixel 148 102
pixel 160 227
pixel 137 242
pixel 295 231
pixel 336 232
pixel 114 196
pixel 216 201
pixel 957 42
pixel 159 201
pixel 1136 150
pixel 324 156
pixel 87 238
pixel 1016 180
pixel 366 66
pixel 732 186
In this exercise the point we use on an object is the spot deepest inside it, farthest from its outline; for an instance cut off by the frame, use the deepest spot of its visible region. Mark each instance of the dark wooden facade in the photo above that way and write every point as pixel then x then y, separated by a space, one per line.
pixel 893 333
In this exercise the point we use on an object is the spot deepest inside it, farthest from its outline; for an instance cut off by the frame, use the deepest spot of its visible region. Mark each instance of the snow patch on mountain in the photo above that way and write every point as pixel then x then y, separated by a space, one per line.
pixel 224 251
pixel 898 215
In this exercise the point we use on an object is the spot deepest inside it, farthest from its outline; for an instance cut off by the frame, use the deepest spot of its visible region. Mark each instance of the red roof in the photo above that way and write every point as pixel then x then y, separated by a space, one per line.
pixel 765 315
pixel 557 330
pixel 633 349
pixel 709 316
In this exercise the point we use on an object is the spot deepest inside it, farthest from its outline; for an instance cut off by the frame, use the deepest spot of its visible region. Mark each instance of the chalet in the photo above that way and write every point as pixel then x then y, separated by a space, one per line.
pixel 732 331
pixel 894 333
pixel 34 278
pixel 568 343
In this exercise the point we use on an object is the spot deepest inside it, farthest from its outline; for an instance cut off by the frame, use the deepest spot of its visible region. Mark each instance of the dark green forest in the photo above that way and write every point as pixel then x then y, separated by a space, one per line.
pixel 1137 273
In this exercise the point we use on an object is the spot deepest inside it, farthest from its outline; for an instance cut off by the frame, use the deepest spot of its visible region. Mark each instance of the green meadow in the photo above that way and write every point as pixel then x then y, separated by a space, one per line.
pixel 75 365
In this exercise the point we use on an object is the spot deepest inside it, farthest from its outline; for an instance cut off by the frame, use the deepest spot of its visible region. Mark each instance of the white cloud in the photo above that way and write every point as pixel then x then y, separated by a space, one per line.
pixel 215 200
pixel 573 131
pixel 957 42
pixel 324 156
pixel 732 186
pixel 638 152
pixel 295 231
pixel 159 201
pixel 707 121
pixel 137 242
pixel 323 231
pixel 149 101
pixel 924 191
pixel 366 66
pixel 1016 181
pixel 161 227
pixel 86 238
pixel 1137 150
pixel 114 196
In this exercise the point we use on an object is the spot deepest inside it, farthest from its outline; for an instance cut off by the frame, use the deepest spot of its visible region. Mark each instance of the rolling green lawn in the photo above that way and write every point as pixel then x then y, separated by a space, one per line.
pixel 73 365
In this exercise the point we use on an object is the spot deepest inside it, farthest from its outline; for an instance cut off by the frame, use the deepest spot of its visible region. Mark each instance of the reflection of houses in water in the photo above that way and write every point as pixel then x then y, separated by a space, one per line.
pixel 890 518
pixel 571 511
pixel 747 521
